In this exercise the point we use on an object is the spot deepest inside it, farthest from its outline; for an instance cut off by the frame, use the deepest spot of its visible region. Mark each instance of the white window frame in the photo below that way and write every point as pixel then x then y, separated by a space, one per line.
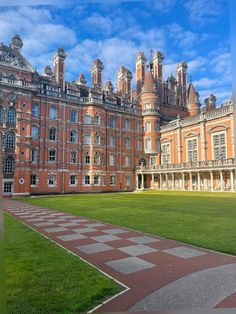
pixel 187 151
pixel 162 159
pixel 212 144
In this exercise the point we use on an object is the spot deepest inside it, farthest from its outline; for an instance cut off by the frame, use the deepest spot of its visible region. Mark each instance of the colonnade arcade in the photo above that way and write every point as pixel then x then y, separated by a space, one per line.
pixel 192 179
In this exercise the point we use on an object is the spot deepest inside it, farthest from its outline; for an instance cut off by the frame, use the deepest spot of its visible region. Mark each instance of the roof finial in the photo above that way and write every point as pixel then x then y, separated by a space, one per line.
pixel 190 79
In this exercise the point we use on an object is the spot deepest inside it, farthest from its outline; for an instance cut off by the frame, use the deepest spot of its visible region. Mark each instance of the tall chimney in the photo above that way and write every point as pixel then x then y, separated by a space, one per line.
pixel 59 67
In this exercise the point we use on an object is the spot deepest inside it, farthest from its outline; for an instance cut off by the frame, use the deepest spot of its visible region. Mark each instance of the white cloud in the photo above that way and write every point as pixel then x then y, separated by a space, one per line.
pixel 205 82
pixel 203 12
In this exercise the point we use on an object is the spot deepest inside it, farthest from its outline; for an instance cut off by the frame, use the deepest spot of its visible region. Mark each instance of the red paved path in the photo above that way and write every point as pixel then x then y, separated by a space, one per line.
pixel 141 261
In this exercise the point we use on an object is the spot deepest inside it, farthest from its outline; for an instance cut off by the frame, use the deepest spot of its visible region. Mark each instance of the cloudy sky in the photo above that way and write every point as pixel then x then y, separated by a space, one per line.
pixel 196 31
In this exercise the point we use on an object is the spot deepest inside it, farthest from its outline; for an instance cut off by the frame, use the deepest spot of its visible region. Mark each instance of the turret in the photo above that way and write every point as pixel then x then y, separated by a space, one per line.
pixel 16 43
pixel 193 101
pixel 157 59
pixel 59 67
pixel 96 72
pixel 210 102
pixel 182 83
pixel 140 71
pixel 150 111
pixel 124 81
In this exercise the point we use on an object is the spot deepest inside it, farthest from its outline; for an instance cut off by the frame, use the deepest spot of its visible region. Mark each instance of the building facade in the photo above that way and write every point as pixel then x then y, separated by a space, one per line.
pixel 68 137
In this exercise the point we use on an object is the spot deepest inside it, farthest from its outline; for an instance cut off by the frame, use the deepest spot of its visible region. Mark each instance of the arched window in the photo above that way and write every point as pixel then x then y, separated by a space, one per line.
pixel 11 79
pixel 87 118
pixel 11 115
pixel 53 113
pixel 73 136
pixel 127 142
pixel 1 113
pixel 35 132
pixel 35 110
pixel 9 165
pixel 87 139
pixel 87 158
pixel 96 139
pixel 96 158
pixel 127 161
pixel 96 119
pixel 10 140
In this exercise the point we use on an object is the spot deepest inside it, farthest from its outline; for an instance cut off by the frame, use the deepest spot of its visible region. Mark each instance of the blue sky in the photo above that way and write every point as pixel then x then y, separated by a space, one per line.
pixel 196 31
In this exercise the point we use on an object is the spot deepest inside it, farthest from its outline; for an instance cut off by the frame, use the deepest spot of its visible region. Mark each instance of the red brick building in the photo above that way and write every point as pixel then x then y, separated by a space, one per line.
pixel 68 137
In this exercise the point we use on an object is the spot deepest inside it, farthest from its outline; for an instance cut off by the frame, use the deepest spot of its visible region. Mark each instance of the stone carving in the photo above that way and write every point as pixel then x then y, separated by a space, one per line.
pixel 11 58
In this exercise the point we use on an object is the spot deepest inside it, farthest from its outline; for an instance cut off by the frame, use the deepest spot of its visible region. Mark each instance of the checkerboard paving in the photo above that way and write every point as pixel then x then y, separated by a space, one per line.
pixel 145 263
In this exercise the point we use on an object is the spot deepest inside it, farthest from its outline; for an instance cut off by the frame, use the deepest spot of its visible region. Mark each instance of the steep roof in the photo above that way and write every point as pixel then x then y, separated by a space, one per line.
pixel 149 83
pixel 192 94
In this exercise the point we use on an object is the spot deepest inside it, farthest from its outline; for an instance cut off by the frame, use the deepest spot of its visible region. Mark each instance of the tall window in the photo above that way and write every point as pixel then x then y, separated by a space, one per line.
pixel 156 126
pixel 87 139
pixel 112 140
pixel 73 157
pixel 87 118
pixel 96 158
pixel 87 159
pixel 165 153
pixel 127 124
pixel 96 118
pixel 139 143
pixel 73 136
pixel 33 180
pixel 52 180
pixel 11 115
pixel 35 110
pixel 73 180
pixel 192 149
pixel 96 179
pixel 127 161
pixel 35 132
pixel 112 180
pixel 148 126
pixel 127 180
pixel 138 126
pixel 52 134
pixel 96 139
pixel 219 145
pixel 148 143
pixel 112 159
pixel 11 79
pixel 53 113
pixel 73 116
pixel 1 76
pixel 86 179
pixel 34 155
pixel 9 165
pixel 10 140
pixel 152 160
pixel 112 122
pixel 52 155
pixel 127 142
pixel 1 113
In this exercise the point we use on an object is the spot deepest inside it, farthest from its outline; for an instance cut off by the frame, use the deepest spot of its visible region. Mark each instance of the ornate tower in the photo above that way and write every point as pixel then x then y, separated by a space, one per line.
pixel 210 102
pixel 140 71
pixel 151 116
pixel 59 67
pixel 193 101
pixel 96 72
pixel 124 81
pixel 182 83
pixel 157 59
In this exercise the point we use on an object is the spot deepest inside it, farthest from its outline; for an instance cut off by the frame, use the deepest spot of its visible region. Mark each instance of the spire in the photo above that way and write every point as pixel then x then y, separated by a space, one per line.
pixel 149 83
pixel 193 100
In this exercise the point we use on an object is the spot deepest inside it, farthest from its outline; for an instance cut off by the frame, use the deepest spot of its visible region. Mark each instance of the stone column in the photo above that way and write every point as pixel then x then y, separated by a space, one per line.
pixel 198 181
pixel 160 181
pixel 183 181
pixel 173 181
pixel 142 182
pixel 221 181
pixel 137 182
pixel 166 181
pixel 232 180
pixel 190 181
pixel 152 181
pixel 211 175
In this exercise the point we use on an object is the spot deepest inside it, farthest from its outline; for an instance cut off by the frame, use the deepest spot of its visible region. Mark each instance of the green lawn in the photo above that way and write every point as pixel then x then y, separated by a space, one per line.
pixel 200 218
pixel 44 278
